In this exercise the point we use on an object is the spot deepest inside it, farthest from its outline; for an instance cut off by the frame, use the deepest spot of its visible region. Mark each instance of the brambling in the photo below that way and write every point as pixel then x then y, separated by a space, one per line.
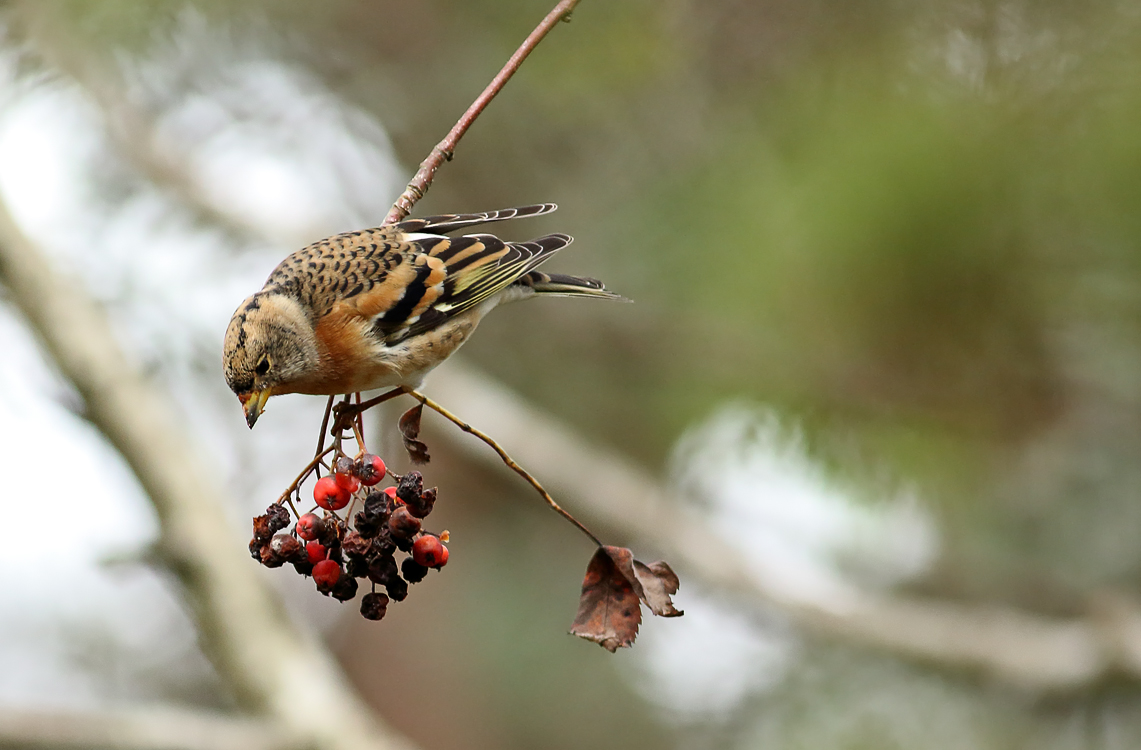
pixel 382 307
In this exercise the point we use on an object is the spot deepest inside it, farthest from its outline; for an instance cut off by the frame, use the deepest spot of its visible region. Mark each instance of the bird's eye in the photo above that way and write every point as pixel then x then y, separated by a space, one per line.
pixel 263 366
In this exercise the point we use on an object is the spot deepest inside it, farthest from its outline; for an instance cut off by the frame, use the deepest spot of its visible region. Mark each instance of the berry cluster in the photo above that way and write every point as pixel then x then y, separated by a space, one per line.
pixel 337 550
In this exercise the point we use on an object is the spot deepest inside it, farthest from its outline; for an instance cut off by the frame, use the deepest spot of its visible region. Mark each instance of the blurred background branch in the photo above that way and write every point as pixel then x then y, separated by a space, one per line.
pixel 155 728
pixel 261 655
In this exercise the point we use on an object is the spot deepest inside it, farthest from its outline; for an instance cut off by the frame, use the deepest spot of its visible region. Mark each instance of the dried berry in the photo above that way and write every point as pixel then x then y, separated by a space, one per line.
pixel 275 519
pixel 370 469
pixel 428 551
pixel 268 558
pixel 344 589
pixel 422 506
pixel 343 465
pixel 326 574
pixel 355 544
pixel 309 527
pixel 412 571
pixel 332 530
pixel 402 524
pixel 286 548
pixel 330 495
pixel 304 568
pixel 374 606
pixel 356 566
pixel 410 487
pixel 367 527
pixel 382 569
pixel 378 505
pixel 397 588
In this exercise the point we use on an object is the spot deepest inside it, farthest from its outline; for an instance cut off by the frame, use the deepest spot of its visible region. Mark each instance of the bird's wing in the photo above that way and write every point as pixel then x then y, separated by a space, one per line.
pixel 407 280
pixel 450 222
pixel 453 275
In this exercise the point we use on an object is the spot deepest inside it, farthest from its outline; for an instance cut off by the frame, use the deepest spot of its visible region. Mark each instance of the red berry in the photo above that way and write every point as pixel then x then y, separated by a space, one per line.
pixel 429 551
pixel 326 574
pixel 309 526
pixel 315 551
pixel 347 482
pixel 329 495
pixel 391 492
pixel 370 469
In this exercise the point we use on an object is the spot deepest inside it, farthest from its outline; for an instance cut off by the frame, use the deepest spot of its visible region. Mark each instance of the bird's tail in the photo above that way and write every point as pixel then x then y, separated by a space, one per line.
pixel 562 285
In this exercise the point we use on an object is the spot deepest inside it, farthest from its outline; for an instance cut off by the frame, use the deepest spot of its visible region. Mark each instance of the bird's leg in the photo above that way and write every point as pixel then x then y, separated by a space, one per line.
pixel 506 459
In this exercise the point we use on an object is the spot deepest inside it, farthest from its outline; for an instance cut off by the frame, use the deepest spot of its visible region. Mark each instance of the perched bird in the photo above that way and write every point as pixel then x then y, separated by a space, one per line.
pixel 382 307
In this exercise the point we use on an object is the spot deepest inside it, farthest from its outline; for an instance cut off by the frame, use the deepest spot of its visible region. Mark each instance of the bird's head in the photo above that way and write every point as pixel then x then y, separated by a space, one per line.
pixel 269 345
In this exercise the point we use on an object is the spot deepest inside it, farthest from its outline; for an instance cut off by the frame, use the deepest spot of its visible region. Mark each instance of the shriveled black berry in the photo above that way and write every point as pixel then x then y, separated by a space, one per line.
pixel 275 519
pixel 377 505
pixel 366 527
pixel 397 588
pixel 374 606
pixel 355 544
pixel 410 487
pixel 332 532
pixel 255 548
pixel 356 566
pixel 383 544
pixel 413 571
pixel 382 569
pixel 344 589
pixel 423 504
pixel 304 568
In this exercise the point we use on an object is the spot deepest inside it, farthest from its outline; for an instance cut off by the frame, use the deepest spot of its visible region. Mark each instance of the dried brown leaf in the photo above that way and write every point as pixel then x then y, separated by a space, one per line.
pixel 409 431
pixel 658 583
pixel 608 612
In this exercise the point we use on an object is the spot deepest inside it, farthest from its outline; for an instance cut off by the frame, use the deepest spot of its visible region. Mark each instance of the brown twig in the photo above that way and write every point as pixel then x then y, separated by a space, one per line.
pixel 444 150
pixel 344 413
pixel 324 425
pixel 309 468
pixel 506 459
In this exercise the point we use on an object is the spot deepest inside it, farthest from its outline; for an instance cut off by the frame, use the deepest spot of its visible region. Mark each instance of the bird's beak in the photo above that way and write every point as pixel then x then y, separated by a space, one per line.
pixel 253 404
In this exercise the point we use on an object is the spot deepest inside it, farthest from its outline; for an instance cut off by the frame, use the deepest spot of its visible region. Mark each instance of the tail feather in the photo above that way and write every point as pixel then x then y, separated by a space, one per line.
pixel 562 285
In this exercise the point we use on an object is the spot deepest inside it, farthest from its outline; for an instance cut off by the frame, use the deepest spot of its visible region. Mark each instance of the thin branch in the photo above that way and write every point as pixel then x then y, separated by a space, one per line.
pixel 344 414
pixel 324 426
pixel 445 149
pixel 511 463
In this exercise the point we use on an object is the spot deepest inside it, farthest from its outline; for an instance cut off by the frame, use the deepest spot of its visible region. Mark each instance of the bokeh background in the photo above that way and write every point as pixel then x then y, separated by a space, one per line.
pixel 886 339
